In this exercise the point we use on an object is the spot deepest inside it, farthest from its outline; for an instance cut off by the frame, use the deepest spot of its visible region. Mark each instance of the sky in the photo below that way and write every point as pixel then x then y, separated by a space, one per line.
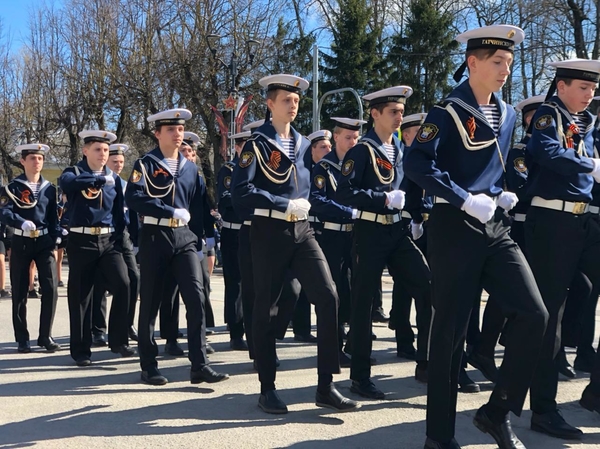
pixel 14 15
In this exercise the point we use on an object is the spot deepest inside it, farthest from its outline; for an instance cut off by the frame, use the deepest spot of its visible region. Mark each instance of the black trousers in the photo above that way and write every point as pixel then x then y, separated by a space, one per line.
pixel 41 250
pixel 278 246
pixel 170 252
pixel 232 278
pixel 466 255
pixel 378 245
pixel 559 244
pixel 580 299
pixel 247 277
pixel 89 255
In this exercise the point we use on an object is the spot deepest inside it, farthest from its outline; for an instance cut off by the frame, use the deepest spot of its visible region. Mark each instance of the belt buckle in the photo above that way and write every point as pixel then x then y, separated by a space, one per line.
pixel 348 227
pixel 34 234
pixel 425 216
pixel 579 208
pixel 388 219
pixel 173 222
pixel 292 218
pixel 95 230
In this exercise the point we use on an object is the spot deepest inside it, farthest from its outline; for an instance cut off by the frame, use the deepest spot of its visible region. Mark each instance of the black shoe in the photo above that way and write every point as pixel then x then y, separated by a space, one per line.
pixel 238 344
pixel 61 284
pixel 563 365
pixel 132 333
pixel 209 349
pixel 5 294
pixel 583 364
pixel 373 336
pixel 589 400
pixel 99 340
pixel 335 401
pixel 502 433
pixel 49 344
pixel 379 316
pixel 83 361
pixel 466 384
pixel 391 325
pixel 207 374
pixel 345 361
pixel 305 338
pixel 421 374
pixel 24 347
pixel 406 352
pixel 343 333
pixel 486 365
pixel 153 377
pixel 124 350
pixel 32 294
pixel 432 444
pixel 270 402
pixel 367 389
pixel 553 424
pixel 173 348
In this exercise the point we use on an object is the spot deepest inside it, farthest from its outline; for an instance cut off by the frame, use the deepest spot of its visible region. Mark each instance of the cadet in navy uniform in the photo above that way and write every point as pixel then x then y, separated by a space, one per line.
pixel 336 237
pixel 562 170
pixel 232 224
pixel 373 182
pixel 28 204
pixel 165 189
pixel 96 225
pixel 458 156
pixel 273 178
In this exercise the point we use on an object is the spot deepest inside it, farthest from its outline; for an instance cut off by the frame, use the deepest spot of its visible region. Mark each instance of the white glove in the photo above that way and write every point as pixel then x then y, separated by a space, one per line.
pixel 64 232
pixel 507 200
pixel 396 199
pixel 354 214
pixel 210 243
pixel 416 229
pixel 596 171
pixel 135 250
pixel 200 255
pixel 298 207
pixel 58 240
pixel 479 206
pixel 28 226
pixel 182 214
pixel 110 181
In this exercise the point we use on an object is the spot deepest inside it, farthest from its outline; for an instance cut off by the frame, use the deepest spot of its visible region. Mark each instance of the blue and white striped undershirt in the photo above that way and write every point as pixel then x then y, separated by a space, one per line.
pixel 288 145
pixel 390 150
pixel 173 165
pixel 35 188
pixel 492 114
pixel 581 120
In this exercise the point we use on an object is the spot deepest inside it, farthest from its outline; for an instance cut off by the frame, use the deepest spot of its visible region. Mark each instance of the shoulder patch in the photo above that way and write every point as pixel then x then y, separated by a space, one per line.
pixel 348 167
pixel 246 159
pixel 3 201
pixel 227 182
pixel 543 122
pixel 136 176
pixel 520 164
pixel 427 132
pixel 320 181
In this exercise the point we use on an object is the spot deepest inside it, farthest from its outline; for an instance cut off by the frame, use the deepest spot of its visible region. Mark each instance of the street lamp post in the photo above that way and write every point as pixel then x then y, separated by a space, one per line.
pixel 232 67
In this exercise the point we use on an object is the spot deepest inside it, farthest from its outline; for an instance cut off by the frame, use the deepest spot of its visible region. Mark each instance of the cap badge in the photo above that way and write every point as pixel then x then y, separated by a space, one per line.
pixel 511 34
pixel 177 114
pixel 296 83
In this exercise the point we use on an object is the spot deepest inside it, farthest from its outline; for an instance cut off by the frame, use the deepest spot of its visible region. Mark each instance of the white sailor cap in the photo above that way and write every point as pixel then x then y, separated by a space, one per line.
pixel 348 123
pixel 580 69
pixel 252 126
pixel 291 83
pixel 396 94
pixel 171 117
pixel 32 148
pixel 117 149
pixel 92 135
pixel 192 139
pixel 530 104
pixel 413 120
pixel 317 136
pixel 244 135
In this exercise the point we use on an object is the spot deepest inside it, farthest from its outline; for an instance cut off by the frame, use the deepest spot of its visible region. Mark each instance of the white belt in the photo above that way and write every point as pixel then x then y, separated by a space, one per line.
pixel 386 219
pixel 595 210
pixel 247 222
pixel 313 219
pixel 292 218
pixel 576 208
pixel 338 226
pixel 31 234
pixel 440 200
pixel 166 222
pixel 92 230
pixel 235 226
pixel 405 214
pixel 519 217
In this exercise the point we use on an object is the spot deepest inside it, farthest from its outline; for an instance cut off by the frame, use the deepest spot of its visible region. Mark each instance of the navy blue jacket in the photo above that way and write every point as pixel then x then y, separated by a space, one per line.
pixel 456 151
pixel 555 171
pixel 225 206
pixel 326 175
pixel 516 175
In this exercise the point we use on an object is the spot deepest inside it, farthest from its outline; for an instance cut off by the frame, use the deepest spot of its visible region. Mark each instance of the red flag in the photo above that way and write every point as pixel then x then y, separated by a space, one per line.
pixel 239 118
pixel 223 128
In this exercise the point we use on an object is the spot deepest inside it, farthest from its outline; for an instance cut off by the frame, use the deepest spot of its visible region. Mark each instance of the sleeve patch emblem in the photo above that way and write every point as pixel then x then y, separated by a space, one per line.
pixel 246 159
pixel 3 201
pixel 543 122
pixel 320 181
pixel 348 167
pixel 136 176
pixel 427 132
pixel 227 182
pixel 520 165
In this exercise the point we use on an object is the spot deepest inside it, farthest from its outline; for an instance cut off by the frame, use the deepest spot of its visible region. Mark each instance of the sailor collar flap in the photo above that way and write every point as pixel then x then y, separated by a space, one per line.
pixel 22 195
pixel 566 126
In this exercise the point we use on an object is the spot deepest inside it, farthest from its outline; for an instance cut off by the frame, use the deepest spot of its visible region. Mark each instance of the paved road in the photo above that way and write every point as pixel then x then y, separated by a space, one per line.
pixel 46 401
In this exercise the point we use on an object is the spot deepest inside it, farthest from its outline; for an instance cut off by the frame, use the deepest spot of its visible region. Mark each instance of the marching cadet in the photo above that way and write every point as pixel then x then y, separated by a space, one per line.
pixel 230 231
pixel 165 189
pixel 96 226
pixel 28 204
pixel 458 156
pixel 273 178
pixel 562 170
pixel 336 237
pixel 373 182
